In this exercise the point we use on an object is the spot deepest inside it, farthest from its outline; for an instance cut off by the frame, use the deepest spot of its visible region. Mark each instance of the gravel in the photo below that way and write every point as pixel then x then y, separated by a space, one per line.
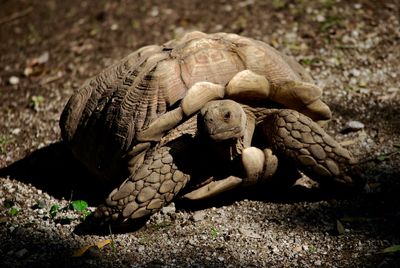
pixel 50 48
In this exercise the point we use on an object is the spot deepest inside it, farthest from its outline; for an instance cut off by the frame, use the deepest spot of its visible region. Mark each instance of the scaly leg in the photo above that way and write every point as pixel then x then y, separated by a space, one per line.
pixel 296 137
pixel 152 185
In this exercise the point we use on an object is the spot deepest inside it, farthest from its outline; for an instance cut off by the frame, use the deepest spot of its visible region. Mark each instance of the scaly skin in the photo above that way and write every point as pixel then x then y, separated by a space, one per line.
pixel 151 187
pixel 296 137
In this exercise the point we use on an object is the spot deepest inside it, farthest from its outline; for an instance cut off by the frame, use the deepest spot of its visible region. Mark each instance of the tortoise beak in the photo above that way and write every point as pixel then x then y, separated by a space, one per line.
pixel 222 133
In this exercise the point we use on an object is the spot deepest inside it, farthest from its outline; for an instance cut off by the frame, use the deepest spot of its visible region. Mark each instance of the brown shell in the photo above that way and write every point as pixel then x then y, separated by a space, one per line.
pixel 100 120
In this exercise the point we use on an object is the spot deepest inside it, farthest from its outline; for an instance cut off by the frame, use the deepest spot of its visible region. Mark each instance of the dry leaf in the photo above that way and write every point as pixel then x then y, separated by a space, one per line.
pixel 83 250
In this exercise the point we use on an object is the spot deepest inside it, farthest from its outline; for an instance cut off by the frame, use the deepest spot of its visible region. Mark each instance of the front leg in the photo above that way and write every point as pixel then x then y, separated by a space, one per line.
pixel 153 185
pixel 296 138
pixel 258 165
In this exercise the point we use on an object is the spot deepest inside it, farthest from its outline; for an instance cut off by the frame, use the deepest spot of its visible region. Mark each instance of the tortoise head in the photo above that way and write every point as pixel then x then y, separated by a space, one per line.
pixel 222 120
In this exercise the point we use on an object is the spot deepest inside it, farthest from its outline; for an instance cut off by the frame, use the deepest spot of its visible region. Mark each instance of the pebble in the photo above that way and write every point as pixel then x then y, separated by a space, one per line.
pixel 352 126
pixel 198 216
pixel 170 209
pixel 13 80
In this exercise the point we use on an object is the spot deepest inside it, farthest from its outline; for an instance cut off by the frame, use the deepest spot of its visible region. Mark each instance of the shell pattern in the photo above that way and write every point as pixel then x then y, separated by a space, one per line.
pixel 101 119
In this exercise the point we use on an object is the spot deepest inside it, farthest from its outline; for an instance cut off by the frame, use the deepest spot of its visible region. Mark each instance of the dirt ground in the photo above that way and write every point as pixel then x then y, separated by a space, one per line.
pixel 48 49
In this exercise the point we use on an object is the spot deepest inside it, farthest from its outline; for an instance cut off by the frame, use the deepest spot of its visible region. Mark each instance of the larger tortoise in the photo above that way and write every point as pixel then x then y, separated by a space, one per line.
pixel 113 122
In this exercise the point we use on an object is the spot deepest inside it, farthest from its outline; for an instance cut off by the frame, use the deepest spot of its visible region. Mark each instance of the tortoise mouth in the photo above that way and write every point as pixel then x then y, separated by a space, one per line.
pixel 221 133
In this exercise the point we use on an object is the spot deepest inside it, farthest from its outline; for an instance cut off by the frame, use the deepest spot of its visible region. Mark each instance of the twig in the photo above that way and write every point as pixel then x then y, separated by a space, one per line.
pixel 15 16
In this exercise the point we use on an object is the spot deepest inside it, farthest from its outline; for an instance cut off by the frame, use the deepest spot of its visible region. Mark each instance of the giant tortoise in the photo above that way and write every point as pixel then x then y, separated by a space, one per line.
pixel 116 122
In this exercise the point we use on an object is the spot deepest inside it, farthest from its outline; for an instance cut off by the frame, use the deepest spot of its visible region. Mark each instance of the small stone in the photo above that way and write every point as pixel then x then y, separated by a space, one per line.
pixel 13 80
pixel 16 131
pixel 198 216
pixel 43 58
pixel 170 209
pixel 114 27
pixel 352 126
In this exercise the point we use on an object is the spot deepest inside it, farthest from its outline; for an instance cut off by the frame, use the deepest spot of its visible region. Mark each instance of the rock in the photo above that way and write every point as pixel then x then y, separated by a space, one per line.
pixel 198 216
pixel 13 80
pixel 43 58
pixel 170 209
pixel 352 126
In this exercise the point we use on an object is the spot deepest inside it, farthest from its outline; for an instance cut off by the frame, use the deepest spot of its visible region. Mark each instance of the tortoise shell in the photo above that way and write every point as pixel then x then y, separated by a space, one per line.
pixel 101 119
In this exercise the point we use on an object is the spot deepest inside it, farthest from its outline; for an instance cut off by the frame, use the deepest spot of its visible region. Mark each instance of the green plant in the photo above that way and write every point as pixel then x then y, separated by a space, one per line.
pixel 4 141
pixel 54 210
pixel 278 4
pixel 312 249
pixel 330 22
pixel 13 211
pixel 392 249
pixel 162 225
pixel 35 102
pixel 214 232
pixel 384 157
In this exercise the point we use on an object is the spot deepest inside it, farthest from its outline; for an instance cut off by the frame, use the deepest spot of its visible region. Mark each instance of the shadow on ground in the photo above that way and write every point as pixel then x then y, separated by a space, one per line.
pixel 54 170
